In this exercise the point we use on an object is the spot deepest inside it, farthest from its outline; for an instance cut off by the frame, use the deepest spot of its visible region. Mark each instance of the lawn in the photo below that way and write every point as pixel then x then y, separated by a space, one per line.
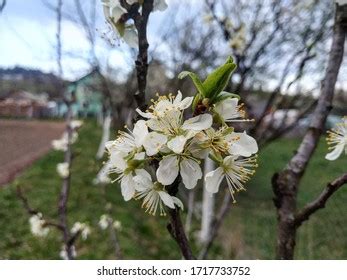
pixel 249 231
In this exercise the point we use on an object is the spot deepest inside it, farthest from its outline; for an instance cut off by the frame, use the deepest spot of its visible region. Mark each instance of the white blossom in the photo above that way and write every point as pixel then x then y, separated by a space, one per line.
pixel 64 255
pixel 75 124
pixel 105 221
pixel 236 170
pixel 166 103
pixel 172 146
pixel 337 139
pixel 83 228
pixel 117 225
pixel 37 225
pixel 63 170
pixel 154 195
pixel 62 143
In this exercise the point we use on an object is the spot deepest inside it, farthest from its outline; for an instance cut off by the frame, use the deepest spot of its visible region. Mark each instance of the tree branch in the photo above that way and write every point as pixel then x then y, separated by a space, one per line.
pixel 319 203
pixel 2 5
pixel 31 211
pixel 65 189
pixel 176 228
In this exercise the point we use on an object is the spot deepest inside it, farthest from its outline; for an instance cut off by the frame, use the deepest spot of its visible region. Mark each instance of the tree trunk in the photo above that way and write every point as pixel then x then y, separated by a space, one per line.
pixel 286 183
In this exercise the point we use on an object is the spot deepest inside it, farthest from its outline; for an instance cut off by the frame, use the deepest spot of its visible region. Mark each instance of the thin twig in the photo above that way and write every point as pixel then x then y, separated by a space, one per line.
pixel 2 5
pixel 31 211
pixel 319 203
pixel 175 227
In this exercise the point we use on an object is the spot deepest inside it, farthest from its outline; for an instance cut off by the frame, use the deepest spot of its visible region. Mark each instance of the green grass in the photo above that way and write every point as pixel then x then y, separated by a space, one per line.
pixel 249 231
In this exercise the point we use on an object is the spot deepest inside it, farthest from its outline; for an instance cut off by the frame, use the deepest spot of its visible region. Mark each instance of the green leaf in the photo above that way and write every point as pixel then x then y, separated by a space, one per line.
pixel 224 95
pixel 195 79
pixel 218 79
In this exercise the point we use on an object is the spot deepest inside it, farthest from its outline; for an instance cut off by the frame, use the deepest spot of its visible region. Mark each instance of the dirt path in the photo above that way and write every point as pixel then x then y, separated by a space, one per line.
pixel 22 142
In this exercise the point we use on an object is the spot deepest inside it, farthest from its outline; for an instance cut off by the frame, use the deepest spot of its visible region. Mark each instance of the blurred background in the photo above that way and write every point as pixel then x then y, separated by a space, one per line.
pixel 280 47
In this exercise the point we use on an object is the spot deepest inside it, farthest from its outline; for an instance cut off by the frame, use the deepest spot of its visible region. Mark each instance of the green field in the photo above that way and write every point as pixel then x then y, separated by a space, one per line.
pixel 248 233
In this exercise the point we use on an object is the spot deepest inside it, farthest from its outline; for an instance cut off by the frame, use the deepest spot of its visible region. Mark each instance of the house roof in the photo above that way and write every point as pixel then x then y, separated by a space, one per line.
pixel 27 96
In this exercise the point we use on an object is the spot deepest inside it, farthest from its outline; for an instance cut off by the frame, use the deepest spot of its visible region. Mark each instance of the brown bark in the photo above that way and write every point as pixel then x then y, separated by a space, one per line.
pixel 141 63
pixel 176 228
pixel 286 183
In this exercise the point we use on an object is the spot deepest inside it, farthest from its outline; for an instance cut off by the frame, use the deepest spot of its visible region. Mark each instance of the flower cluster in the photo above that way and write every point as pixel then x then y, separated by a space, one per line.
pixel 337 140
pixel 63 168
pixel 62 143
pixel 165 146
pixel 114 13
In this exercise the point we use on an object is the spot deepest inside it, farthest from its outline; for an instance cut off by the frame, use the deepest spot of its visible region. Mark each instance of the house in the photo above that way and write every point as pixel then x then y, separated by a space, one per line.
pixel 23 104
pixel 87 95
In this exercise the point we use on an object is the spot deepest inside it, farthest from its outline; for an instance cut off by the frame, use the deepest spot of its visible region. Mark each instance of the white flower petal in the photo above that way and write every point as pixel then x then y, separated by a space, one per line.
pixel 140 131
pixel 143 114
pixel 168 170
pixel 167 199
pixel 140 156
pixel 177 143
pixel 178 98
pixel 245 145
pixel 185 103
pixel 117 160
pixel 200 122
pixel 334 154
pixel 143 179
pixel 154 124
pixel 227 108
pixel 109 145
pixel 178 202
pixel 190 172
pixel 153 142
pixel 213 180
pixel 128 187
